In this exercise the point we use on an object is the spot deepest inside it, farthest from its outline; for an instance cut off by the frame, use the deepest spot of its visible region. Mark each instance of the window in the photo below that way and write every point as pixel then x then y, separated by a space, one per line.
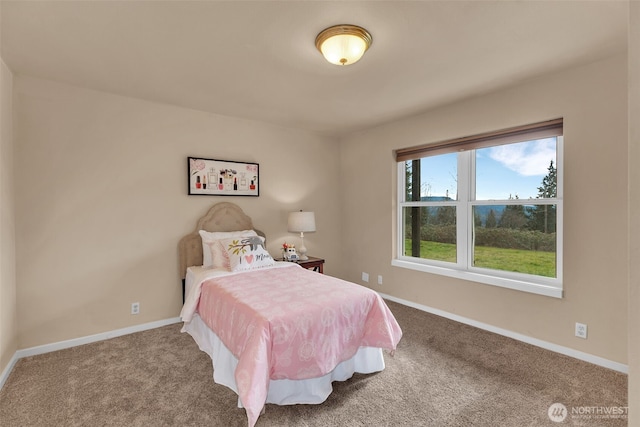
pixel 486 208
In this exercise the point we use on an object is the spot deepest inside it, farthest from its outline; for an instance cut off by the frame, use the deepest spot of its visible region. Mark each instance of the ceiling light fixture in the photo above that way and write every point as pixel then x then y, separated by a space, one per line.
pixel 343 44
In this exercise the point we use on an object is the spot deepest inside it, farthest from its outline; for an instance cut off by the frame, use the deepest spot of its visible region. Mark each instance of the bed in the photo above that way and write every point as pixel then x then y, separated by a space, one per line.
pixel 276 332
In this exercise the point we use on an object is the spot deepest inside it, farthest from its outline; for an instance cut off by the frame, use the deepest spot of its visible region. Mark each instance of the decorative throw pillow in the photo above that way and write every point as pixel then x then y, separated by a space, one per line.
pixel 245 253
pixel 212 256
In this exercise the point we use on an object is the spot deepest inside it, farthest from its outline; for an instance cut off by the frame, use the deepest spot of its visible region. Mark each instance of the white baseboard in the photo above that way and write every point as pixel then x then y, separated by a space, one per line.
pixel 47 348
pixel 7 370
pixel 596 360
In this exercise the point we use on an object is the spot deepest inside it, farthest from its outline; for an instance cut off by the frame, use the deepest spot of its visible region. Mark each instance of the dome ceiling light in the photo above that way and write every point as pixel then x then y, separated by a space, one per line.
pixel 343 44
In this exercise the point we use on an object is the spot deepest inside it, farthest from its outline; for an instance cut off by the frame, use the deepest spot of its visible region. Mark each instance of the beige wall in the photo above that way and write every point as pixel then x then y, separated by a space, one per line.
pixel 634 213
pixel 8 319
pixel 101 202
pixel 593 101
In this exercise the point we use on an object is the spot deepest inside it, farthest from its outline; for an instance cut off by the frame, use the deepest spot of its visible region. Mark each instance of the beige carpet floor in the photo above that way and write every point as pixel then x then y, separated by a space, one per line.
pixel 443 374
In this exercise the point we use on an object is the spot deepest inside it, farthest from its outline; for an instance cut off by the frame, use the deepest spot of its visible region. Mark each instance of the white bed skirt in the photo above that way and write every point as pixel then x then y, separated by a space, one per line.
pixel 282 392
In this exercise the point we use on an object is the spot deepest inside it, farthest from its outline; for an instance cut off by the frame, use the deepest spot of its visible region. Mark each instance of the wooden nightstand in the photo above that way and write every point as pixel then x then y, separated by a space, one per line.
pixel 312 263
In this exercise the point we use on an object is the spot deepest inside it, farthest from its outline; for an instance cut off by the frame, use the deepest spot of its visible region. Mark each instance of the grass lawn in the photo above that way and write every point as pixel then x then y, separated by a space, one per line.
pixel 516 260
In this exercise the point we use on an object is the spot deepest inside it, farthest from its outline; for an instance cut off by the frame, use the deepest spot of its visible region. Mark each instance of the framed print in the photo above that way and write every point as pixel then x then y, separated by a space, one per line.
pixel 211 177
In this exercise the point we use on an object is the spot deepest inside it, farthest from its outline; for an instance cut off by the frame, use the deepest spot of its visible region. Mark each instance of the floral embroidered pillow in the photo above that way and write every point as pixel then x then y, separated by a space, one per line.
pixel 245 253
pixel 212 256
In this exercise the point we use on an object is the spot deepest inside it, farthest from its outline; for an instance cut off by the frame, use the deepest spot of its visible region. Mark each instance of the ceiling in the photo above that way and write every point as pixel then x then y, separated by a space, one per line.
pixel 257 59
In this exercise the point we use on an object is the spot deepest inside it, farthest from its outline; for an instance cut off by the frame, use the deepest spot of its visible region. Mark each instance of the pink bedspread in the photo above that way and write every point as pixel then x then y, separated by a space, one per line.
pixel 292 323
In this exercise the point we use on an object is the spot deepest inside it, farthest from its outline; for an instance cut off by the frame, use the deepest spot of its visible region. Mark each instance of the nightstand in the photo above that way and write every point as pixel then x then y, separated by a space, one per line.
pixel 312 263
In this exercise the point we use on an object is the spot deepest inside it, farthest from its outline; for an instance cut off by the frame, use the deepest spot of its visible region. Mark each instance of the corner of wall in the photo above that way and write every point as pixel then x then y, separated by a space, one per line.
pixel 634 213
pixel 8 314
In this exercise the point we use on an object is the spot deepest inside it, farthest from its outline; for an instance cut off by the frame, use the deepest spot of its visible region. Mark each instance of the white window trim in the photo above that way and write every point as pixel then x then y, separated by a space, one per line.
pixel 552 287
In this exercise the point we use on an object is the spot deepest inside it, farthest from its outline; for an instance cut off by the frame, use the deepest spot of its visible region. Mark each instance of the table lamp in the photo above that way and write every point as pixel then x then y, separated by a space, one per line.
pixel 301 222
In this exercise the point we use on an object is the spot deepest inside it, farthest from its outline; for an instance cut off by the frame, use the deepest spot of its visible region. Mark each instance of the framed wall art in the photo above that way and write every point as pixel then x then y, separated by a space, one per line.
pixel 211 177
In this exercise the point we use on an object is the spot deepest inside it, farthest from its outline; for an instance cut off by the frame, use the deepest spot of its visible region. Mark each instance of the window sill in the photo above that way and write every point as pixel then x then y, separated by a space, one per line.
pixel 503 282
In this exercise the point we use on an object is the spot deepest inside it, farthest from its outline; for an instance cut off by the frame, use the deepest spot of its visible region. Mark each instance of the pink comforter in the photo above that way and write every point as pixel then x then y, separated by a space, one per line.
pixel 292 323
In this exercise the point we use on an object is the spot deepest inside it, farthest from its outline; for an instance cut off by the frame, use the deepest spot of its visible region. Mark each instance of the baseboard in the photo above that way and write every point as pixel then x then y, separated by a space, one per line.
pixel 48 348
pixel 596 360
pixel 7 370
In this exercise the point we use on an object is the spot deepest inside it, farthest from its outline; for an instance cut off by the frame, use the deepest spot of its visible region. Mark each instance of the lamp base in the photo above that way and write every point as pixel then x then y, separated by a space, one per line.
pixel 302 250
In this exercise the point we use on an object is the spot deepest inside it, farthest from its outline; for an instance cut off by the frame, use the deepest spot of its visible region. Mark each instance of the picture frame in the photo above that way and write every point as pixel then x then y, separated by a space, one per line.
pixel 230 178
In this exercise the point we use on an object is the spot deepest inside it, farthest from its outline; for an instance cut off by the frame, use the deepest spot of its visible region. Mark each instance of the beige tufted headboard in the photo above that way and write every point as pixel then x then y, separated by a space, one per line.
pixel 223 216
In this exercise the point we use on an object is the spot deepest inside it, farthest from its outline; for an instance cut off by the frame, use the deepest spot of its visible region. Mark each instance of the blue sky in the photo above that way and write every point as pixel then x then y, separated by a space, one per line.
pixel 500 171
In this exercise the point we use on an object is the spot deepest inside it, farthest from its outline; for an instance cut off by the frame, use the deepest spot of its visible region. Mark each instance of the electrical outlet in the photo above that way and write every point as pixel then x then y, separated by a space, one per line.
pixel 365 277
pixel 581 330
pixel 379 279
pixel 135 308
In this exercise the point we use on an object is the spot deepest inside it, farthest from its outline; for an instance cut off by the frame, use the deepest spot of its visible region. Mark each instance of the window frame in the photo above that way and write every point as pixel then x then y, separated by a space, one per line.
pixel 463 268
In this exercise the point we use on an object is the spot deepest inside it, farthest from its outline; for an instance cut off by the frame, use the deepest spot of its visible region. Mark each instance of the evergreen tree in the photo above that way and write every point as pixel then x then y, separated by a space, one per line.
pixel 514 216
pixel 408 178
pixel 549 184
pixel 543 217
pixel 413 177
pixel 445 215
pixel 491 219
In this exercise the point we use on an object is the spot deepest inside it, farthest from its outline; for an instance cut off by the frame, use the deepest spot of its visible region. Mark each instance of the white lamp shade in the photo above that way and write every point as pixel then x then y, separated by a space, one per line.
pixel 301 222
pixel 343 44
pixel 343 49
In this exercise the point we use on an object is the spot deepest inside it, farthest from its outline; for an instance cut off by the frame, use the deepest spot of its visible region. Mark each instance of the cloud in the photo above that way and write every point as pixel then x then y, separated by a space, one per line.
pixel 529 158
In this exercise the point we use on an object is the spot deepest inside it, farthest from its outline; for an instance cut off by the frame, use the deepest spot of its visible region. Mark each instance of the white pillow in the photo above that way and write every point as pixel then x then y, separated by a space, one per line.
pixel 211 253
pixel 245 253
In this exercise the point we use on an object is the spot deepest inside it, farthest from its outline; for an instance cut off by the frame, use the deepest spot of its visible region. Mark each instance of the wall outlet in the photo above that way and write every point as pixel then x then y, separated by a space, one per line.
pixel 135 308
pixel 365 277
pixel 581 330
pixel 379 279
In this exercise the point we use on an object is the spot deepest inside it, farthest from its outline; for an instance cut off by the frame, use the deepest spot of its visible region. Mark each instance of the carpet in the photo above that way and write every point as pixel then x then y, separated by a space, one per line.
pixel 443 374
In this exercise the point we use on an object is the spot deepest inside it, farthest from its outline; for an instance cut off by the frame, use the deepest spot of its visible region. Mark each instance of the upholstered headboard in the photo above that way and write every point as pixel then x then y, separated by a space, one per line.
pixel 223 216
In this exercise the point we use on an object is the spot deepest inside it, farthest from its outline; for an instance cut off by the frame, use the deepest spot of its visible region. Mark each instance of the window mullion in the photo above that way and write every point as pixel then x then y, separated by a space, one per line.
pixel 462 210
